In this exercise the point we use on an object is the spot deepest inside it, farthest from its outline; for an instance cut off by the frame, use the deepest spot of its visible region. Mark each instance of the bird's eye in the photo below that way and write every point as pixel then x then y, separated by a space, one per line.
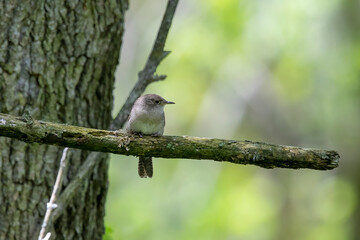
pixel 157 101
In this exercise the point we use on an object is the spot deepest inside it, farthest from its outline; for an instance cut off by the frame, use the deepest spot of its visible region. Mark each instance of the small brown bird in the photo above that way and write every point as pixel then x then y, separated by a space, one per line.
pixel 147 118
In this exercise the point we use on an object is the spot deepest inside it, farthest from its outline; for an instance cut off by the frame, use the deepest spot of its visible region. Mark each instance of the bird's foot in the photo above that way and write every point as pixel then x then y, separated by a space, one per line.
pixel 138 134
pixel 156 135
pixel 124 142
pixel 117 132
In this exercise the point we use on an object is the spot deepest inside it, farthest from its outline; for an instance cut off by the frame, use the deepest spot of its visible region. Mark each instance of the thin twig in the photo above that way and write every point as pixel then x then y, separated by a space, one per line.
pixel 85 170
pixel 51 204
pixel 147 75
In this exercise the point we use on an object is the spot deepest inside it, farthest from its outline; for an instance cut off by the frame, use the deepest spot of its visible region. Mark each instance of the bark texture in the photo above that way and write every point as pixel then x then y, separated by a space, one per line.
pixel 57 62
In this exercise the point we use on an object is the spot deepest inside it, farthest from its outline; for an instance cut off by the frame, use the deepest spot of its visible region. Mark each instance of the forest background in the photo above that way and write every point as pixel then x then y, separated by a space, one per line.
pixel 283 72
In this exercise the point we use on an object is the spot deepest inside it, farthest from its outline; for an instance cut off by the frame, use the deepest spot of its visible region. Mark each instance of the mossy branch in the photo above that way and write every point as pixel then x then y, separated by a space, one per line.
pixel 240 152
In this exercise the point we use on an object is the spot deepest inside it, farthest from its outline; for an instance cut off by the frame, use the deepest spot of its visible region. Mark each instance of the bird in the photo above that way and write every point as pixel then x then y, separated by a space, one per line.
pixel 147 117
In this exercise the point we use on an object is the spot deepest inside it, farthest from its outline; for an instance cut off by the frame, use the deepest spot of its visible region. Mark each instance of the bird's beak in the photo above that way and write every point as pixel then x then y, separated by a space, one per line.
pixel 167 102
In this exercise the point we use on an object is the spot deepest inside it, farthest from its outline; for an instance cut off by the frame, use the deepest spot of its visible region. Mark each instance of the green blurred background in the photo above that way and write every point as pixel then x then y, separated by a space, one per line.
pixel 278 71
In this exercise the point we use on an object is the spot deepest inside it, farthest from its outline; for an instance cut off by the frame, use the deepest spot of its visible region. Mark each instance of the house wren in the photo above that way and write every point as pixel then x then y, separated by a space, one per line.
pixel 147 118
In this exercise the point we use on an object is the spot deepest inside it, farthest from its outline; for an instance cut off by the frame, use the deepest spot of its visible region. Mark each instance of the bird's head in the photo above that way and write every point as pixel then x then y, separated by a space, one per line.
pixel 154 101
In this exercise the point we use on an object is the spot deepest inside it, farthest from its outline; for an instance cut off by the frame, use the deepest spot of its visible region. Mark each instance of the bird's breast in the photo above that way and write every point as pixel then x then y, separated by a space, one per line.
pixel 147 123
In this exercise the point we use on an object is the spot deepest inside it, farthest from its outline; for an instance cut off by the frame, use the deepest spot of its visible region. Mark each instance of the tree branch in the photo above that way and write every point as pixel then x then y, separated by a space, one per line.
pixel 147 75
pixel 240 152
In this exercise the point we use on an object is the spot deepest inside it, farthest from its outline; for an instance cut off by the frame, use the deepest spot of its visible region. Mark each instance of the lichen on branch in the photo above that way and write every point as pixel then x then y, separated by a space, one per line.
pixel 118 142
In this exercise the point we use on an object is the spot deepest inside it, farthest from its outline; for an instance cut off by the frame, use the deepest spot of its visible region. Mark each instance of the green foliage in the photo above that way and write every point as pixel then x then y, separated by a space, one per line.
pixel 278 71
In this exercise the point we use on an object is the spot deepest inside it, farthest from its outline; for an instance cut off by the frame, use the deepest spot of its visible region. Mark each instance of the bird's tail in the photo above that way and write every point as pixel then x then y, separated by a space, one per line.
pixel 145 167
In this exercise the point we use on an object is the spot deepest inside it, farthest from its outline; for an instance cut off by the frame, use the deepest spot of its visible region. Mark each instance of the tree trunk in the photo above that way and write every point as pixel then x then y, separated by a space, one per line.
pixel 57 61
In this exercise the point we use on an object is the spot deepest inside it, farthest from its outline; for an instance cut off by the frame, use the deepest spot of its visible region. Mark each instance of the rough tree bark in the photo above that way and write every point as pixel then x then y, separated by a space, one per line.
pixel 57 61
